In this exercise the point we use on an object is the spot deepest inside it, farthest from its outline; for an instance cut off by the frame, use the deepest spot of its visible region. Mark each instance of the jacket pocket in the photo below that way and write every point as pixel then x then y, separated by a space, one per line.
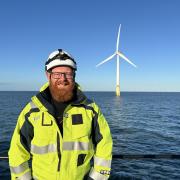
pixel 81 158
pixel 44 130
pixel 79 131
pixel 79 126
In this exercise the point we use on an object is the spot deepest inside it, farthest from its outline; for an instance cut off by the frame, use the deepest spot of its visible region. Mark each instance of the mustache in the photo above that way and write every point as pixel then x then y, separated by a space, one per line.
pixel 65 82
pixel 62 93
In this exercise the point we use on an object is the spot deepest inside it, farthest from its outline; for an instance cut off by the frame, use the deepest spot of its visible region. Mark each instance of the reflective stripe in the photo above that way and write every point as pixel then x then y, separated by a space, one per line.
pixel 19 169
pixel 96 175
pixel 43 149
pixel 33 105
pixel 76 146
pixel 26 176
pixel 102 162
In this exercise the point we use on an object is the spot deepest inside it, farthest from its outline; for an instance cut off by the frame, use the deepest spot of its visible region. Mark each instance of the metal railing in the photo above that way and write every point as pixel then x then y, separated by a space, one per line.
pixel 137 156
pixel 146 156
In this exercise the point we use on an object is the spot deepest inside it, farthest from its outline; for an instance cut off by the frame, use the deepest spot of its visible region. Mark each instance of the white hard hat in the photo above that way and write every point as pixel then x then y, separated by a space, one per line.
pixel 60 58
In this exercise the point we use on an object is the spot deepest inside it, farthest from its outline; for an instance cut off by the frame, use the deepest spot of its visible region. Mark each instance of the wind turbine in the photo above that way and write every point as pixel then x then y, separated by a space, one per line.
pixel 117 54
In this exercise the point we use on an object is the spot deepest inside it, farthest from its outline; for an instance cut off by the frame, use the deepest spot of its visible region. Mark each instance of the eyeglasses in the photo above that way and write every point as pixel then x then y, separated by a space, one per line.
pixel 58 75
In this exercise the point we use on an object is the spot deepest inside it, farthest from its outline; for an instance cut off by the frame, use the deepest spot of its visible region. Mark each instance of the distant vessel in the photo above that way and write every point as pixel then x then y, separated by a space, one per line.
pixel 118 54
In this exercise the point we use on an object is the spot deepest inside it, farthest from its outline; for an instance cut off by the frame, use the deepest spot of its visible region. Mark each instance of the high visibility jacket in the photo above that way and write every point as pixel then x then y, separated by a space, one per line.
pixel 86 137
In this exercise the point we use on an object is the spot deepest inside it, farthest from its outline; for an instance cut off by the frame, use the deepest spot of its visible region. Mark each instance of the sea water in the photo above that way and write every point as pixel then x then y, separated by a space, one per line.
pixel 141 123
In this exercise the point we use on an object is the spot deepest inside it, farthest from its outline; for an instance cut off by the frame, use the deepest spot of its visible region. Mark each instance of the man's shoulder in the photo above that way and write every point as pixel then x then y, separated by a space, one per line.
pixel 91 104
pixel 29 106
pixel 89 101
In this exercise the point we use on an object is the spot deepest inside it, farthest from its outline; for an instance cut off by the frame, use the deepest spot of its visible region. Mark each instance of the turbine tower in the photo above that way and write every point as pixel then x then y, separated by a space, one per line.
pixel 117 54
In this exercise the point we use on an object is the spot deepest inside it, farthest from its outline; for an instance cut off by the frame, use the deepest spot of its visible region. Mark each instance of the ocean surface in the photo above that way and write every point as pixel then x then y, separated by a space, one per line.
pixel 141 123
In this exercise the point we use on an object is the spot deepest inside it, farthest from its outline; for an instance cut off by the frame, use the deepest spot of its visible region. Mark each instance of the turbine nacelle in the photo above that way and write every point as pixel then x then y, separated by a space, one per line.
pixel 125 58
pixel 117 53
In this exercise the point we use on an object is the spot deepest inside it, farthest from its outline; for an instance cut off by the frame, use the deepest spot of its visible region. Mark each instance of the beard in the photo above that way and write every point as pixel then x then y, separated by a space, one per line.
pixel 62 91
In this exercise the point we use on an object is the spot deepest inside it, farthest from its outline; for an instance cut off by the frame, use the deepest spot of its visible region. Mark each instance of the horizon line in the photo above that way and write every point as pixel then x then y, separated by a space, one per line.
pixel 96 91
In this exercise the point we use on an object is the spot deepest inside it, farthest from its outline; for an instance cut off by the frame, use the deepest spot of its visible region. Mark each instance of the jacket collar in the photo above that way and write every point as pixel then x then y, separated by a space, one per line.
pixel 44 96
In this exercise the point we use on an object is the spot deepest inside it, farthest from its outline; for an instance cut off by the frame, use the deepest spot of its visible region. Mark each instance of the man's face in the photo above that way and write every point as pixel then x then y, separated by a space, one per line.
pixel 61 83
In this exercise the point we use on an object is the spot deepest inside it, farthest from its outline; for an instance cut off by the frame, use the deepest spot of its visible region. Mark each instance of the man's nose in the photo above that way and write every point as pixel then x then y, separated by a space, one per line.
pixel 63 76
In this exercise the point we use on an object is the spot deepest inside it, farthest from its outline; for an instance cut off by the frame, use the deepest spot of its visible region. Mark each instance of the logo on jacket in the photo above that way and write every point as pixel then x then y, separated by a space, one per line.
pixel 105 172
pixel 36 118
pixel 66 115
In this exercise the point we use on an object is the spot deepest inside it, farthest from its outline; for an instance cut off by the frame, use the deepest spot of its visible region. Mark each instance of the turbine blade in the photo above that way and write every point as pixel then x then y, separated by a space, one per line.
pixel 107 59
pixel 125 58
pixel 118 37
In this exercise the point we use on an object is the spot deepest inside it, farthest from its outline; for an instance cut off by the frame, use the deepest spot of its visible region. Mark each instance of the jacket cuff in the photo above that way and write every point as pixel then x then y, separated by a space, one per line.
pixel 94 175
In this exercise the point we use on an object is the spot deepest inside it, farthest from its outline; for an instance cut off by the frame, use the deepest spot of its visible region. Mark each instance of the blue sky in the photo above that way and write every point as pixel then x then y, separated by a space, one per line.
pixel 150 38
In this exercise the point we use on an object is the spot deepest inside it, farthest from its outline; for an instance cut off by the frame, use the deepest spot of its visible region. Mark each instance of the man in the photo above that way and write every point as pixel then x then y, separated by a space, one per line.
pixel 61 131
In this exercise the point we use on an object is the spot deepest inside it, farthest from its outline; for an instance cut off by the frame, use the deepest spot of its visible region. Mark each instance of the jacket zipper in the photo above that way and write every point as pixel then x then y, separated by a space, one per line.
pixel 58 144
pixel 58 150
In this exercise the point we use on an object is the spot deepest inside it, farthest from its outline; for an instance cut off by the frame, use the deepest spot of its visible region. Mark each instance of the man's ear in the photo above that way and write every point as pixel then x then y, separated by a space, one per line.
pixel 74 75
pixel 48 75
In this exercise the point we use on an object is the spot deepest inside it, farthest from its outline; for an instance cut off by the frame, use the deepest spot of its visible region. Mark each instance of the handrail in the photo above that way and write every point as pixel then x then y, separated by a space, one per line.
pixel 137 156
pixel 4 157
pixel 146 156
